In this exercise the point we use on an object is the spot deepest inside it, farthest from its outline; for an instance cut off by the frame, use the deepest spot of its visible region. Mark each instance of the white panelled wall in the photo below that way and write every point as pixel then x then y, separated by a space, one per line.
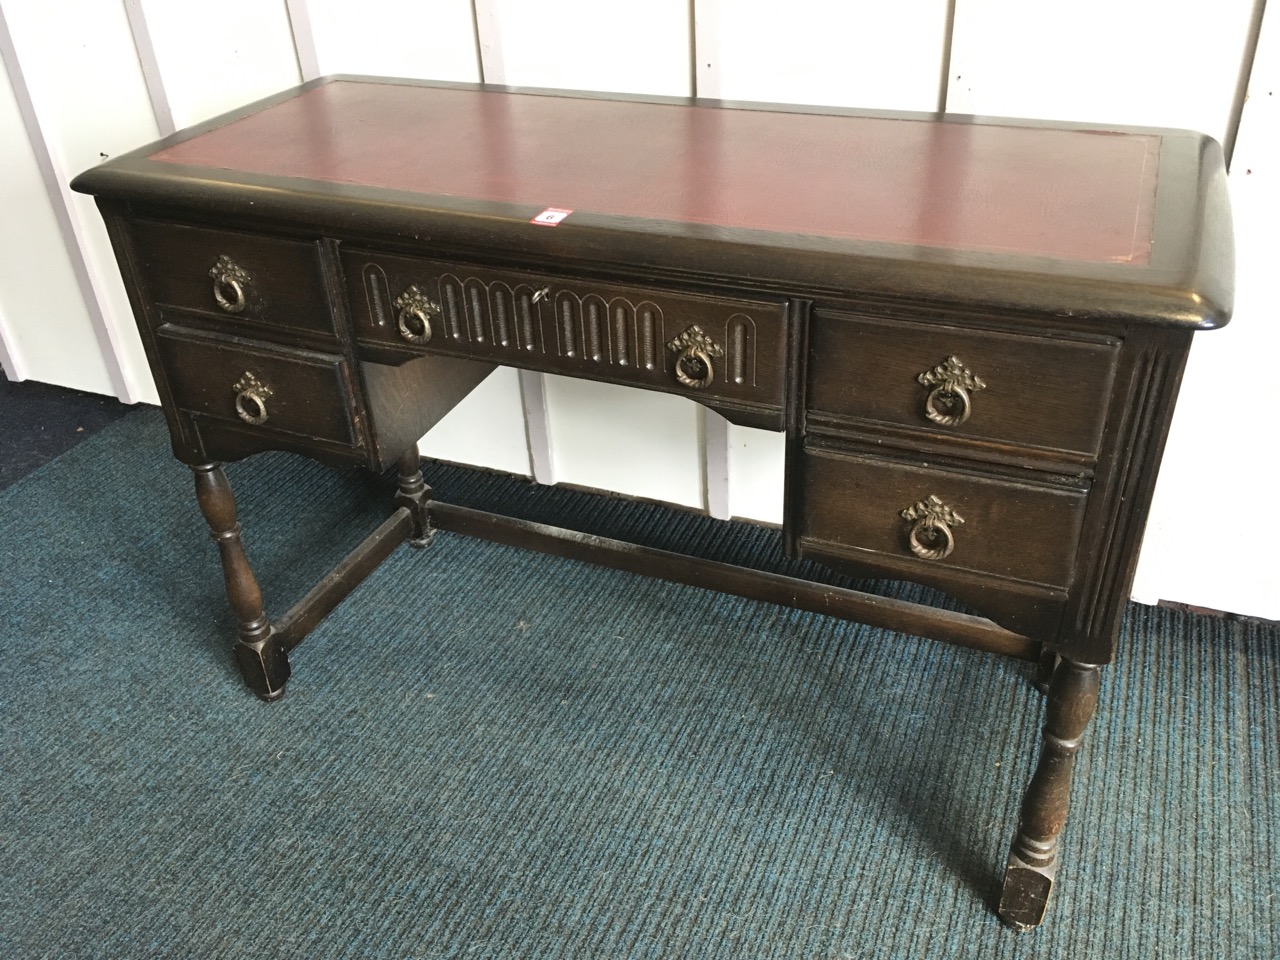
pixel 86 79
pixel 594 434
pixel 872 55
pixel 78 88
pixel 1208 538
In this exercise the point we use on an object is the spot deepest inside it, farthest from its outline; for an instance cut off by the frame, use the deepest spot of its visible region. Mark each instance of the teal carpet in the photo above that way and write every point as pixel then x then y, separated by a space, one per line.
pixel 492 753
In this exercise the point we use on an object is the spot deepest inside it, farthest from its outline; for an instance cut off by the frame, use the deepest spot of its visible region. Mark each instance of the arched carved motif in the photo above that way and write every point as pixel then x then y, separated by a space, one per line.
pixel 452 305
pixel 740 350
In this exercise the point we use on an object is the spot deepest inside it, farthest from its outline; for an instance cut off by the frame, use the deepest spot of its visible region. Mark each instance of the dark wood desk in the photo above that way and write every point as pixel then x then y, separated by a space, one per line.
pixel 972 333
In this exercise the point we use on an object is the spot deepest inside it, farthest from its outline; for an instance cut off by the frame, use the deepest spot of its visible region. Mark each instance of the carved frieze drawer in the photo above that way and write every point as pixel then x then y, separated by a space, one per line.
pixel 256 283
pixel 916 520
pixel 725 351
pixel 261 388
pixel 943 381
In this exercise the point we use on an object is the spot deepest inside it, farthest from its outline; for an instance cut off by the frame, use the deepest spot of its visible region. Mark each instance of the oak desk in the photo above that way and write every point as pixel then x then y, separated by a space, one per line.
pixel 972 333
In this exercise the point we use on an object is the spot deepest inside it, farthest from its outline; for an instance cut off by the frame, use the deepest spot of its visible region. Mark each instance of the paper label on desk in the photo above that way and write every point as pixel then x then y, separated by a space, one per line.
pixel 550 217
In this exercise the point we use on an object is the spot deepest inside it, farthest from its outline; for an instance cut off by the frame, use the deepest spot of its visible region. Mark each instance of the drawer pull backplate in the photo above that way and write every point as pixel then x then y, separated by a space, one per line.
pixel 414 313
pixel 693 365
pixel 251 399
pixel 948 403
pixel 930 536
pixel 230 280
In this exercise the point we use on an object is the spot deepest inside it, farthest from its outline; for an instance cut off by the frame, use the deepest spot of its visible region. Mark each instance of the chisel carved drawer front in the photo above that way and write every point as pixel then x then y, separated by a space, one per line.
pixel 1047 396
pixel 270 390
pixel 713 348
pixel 922 519
pixel 259 284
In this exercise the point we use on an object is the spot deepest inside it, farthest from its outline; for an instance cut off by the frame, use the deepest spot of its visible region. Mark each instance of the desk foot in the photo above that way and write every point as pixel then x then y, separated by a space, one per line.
pixel 1033 861
pixel 263 660
pixel 1024 900
pixel 264 666
pixel 413 493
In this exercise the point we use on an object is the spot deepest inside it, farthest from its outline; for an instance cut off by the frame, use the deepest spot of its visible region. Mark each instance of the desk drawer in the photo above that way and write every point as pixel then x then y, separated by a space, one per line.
pixel 269 389
pixel 625 334
pixel 954 520
pixel 257 281
pixel 1028 391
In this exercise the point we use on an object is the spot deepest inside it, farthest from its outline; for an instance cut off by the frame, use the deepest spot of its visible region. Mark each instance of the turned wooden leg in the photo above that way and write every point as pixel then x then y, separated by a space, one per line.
pixel 412 492
pixel 263 659
pixel 1033 861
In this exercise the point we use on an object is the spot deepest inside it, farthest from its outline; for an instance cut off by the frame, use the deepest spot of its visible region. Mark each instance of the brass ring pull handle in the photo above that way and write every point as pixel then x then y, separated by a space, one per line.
pixel 251 399
pixel 949 403
pixel 930 536
pixel 693 368
pixel 931 539
pixel 414 313
pixel 230 283
pixel 695 351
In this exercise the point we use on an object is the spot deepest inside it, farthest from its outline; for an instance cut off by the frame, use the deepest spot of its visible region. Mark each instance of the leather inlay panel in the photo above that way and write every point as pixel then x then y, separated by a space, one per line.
pixel 1070 194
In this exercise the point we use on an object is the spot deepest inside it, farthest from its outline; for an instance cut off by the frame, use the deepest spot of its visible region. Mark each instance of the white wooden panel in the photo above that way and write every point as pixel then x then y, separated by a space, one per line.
pixel 715 463
pixel 1210 541
pixel 875 55
pixel 587 44
pixel 8 351
pixel 630 441
pixel 86 89
pixel 601 436
pixel 304 42
pixel 424 39
pixel 756 469
pixel 1172 63
pixel 212 60
pixel 41 308
pixel 432 40
pixel 1151 62
pixel 534 397
pixel 150 67
pixel 486 429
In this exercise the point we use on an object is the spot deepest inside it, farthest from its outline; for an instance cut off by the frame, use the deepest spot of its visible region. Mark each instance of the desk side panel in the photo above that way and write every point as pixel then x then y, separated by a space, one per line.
pixel 1142 407
pixel 181 431
pixel 406 401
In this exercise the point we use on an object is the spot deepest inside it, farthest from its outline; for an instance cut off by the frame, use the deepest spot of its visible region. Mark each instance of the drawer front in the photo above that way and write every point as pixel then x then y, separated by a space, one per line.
pixel 633 335
pixel 932 519
pixel 1021 390
pixel 262 282
pixel 268 389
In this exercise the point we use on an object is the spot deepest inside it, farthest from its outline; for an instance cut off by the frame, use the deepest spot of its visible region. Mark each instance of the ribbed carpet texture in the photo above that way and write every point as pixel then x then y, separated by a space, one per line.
pixel 486 752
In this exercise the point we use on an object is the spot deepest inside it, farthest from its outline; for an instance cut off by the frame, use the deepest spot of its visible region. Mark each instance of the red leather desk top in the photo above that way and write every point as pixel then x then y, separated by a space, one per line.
pixel 1067 194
